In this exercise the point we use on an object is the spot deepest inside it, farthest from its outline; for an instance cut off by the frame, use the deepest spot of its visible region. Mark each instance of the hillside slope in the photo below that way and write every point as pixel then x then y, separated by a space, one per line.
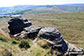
pixel 20 9
pixel 71 26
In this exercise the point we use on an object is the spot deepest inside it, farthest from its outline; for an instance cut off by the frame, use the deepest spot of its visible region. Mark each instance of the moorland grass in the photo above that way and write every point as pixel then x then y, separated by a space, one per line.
pixel 71 26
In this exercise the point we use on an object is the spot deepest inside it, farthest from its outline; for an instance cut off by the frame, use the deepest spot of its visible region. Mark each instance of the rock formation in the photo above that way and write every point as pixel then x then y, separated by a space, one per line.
pixel 17 24
pixel 23 29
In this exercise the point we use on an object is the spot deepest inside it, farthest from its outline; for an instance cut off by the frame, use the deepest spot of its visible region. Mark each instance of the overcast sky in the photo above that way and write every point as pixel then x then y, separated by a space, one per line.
pixel 5 3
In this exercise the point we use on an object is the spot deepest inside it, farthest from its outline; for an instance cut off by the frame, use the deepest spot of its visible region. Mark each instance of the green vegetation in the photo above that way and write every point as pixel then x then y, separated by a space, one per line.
pixel 15 42
pixel 71 25
pixel 24 44
pixel 3 39
pixel 4 16
pixel 6 53
pixel 21 9
pixel 10 48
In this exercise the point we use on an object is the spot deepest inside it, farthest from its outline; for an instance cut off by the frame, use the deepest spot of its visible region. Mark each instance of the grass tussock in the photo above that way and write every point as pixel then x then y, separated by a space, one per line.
pixel 24 44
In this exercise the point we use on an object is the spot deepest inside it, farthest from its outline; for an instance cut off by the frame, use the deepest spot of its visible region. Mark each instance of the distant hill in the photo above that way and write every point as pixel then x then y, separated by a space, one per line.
pixel 21 9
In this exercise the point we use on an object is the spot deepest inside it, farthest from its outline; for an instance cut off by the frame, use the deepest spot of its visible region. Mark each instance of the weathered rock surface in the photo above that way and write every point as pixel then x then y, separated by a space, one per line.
pixel 32 31
pixel 23 29
pixel 17 24
pixel 53 36
pixel 20 28
pixel 49 33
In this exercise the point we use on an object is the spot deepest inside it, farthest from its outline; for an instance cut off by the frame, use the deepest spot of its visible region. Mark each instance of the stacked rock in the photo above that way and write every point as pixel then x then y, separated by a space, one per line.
pixel 23 29
pixel 16 24
pixel 54 37
pixel 20 29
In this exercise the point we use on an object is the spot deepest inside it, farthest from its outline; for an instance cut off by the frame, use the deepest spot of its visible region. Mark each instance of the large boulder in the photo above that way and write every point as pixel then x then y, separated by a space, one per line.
pixel 49 33
pixel 54 37
pixel 16 24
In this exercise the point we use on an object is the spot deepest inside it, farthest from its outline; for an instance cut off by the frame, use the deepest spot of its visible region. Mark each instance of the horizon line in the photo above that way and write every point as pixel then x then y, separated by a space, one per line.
pixel 44 4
